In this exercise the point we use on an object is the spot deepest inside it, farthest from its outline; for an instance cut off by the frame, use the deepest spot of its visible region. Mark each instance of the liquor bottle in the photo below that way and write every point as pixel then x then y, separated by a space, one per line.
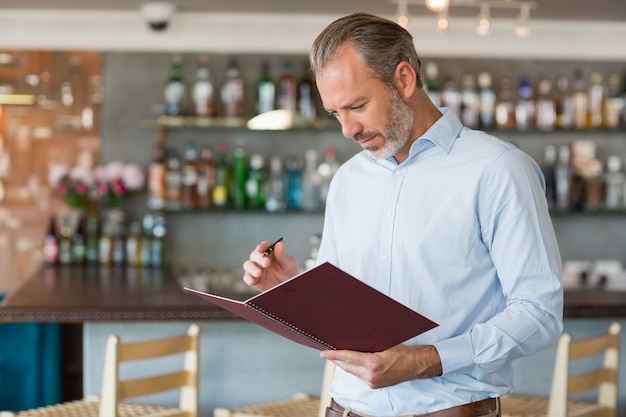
pixel 65 242
pixel 79 243
pixel 240 175
pixel 173 182
pixel 147 224
pixel 306 96
pixel 118 243
pixel 614 103
pixel 549 173
pixel 51 242
pixel 310 182
pixel 564 104
pixel 563 174
pixel 525 106
pixel 105 243
pixel 275 193
pixel 156 178
pixel 595 101
pixel 614 181
pixel 287 88
pixel 157 244
pixel 255 183
pixel 579 100
pixel 470 102
pixel 92 239
pixel 175 94
pixel 202 90
pixel 232 92
pixel 546 106
pixel 293 183
pixel 266 90
pixel 451 97
pixel 206 177
pixel 487 99
pixel 221 191
pixel 505 106
pixel 326 171
pixel 431 83
pixel 133 245
pixel 189 179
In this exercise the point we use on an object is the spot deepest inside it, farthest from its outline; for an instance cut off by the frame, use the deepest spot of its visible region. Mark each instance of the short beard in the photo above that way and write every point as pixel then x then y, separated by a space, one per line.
pixel 400 119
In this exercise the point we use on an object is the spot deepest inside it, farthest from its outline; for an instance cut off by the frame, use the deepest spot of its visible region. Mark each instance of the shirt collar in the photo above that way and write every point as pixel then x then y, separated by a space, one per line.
pixel 443 132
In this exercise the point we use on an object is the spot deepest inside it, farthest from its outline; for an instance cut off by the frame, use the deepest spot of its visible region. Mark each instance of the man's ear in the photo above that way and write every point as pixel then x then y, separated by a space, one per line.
pixel 405 79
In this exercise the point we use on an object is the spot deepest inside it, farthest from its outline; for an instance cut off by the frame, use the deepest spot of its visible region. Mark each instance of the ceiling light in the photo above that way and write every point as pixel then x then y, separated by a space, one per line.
pixel 437 5
pixel 522 27
pixel 442 20
pixel 483 20
pixel 402 16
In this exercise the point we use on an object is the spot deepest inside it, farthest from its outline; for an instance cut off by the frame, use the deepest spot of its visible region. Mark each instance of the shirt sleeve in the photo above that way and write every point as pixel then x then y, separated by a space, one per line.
pixel 517 230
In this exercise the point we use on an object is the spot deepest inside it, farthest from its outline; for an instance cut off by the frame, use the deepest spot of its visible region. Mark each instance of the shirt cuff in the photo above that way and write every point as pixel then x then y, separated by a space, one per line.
pixel 456 354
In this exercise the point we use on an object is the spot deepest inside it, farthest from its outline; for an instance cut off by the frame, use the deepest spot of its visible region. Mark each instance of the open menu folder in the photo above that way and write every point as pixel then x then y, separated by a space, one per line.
pixel 326 308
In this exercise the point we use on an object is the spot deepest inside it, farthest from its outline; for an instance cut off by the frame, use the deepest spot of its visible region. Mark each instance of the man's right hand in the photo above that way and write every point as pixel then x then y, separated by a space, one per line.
pixel 264 272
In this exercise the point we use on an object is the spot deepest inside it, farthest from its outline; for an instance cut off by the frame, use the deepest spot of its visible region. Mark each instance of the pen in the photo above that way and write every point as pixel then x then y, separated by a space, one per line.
pixel 269 250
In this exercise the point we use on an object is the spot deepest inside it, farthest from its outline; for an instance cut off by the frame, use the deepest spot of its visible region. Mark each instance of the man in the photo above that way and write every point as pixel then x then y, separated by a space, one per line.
pixel 449 221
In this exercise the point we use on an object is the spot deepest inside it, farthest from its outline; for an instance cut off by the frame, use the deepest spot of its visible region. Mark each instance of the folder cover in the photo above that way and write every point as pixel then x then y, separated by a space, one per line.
pixel 328 309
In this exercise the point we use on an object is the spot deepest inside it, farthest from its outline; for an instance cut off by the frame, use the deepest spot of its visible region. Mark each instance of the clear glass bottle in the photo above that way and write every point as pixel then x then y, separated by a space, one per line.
pixel 173 182
pixel 525 106
pixel 287 88
pixel 595 101
pixel 326 171
pixel 451 96
pixel 310 182
pixel 470 102
pixel 202 91
pixel 614 182
pixel 306 96
pixel 189 177
pixel 175 94
pixel 546 106
pixel 133 244
pixel 563 174
pixel 505 106
pixel 487 99
pixel 233 92
pixel 275 193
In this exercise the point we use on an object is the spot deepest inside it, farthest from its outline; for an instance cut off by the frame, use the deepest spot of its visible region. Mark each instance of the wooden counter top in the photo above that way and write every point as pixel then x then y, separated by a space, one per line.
pixel 77 294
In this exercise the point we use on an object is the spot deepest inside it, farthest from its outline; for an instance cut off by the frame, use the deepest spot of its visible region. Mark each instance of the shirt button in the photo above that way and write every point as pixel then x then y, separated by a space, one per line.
pixel 388 213
pixel 398 173
pixel 385 257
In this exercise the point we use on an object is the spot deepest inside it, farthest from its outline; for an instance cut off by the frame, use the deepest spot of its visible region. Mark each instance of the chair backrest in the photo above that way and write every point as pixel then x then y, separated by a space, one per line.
pixel 329 376
pixel 115 389
pixel 604 378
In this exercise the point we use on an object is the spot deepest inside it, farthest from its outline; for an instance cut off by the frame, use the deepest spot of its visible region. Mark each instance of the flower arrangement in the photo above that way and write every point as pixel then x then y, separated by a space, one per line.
pixel 116 180
pixel 108 183
pixel 71 184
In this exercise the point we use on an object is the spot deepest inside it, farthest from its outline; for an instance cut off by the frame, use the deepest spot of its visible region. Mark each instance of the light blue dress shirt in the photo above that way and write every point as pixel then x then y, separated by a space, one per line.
pixel 460 232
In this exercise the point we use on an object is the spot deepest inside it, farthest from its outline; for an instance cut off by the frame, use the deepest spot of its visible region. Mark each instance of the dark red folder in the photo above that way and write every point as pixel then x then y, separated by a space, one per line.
pixel 327 308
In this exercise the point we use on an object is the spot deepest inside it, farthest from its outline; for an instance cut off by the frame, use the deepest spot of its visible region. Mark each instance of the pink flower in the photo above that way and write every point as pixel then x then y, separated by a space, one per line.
pixel 133 176
pixel 56 172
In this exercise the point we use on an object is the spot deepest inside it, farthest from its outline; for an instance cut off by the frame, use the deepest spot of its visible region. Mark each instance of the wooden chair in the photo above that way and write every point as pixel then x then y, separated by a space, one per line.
pixel 115 390
pixel 565 384
pixel 300 405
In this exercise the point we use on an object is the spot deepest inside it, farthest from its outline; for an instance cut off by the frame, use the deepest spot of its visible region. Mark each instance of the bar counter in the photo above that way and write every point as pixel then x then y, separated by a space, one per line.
pixel 85 294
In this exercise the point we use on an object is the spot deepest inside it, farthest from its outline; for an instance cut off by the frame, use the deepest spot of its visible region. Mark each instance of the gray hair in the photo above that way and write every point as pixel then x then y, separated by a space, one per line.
pixel 380 44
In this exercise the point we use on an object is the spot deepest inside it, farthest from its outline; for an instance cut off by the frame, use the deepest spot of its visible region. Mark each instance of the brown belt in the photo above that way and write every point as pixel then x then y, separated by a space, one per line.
pixel 475 409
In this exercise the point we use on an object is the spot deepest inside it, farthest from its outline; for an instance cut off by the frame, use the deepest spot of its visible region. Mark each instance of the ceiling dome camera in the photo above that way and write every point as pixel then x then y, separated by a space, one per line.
pixel 158 14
